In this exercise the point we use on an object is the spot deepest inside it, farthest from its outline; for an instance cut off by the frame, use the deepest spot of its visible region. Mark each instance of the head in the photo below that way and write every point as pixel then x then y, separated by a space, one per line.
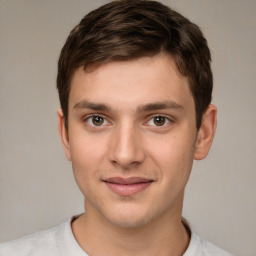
pixel 135 86
pixel 128 30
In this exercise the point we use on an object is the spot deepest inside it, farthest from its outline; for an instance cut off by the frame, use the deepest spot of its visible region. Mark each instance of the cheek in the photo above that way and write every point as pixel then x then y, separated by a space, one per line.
pixel 86 149
pixel 87 154
pixel 174 157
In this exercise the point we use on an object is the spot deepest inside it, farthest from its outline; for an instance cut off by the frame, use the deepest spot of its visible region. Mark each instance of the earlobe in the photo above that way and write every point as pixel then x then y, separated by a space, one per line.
pixel 206 133
pixel 63 133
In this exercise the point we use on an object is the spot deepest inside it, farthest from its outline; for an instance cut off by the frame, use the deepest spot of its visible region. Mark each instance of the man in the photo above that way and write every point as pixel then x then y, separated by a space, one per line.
pixel 135 84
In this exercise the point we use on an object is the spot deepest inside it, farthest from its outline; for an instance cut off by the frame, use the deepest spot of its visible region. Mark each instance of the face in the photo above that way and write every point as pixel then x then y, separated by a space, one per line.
pixel 131 138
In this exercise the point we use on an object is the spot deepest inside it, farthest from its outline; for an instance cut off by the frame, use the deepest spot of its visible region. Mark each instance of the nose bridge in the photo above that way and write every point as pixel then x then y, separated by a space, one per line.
pixel 125 149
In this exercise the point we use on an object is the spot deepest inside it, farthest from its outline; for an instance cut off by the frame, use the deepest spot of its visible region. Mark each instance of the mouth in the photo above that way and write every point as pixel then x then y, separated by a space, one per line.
pixel 127 186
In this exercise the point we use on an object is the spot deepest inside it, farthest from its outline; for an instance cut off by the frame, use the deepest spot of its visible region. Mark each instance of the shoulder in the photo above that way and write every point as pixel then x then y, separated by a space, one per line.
pixel 202 247
pixel 39 244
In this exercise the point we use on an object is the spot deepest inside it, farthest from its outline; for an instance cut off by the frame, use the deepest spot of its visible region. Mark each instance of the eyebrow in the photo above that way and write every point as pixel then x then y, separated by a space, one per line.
pixel 84 104
pixel 93 106
pixel 159 106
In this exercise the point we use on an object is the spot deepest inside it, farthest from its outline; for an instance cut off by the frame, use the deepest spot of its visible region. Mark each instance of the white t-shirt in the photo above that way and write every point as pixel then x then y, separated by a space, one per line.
pixel 60 241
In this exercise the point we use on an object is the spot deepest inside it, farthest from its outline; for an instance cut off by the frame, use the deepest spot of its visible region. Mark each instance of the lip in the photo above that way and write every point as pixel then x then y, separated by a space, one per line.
pixel 127 186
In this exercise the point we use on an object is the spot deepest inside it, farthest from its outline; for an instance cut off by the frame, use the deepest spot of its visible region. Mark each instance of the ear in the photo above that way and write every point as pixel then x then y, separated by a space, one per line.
pixel 206 133
pixel 63 133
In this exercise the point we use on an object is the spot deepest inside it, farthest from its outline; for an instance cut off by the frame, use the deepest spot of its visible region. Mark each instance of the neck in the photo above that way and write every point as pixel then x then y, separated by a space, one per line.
pixel 165 235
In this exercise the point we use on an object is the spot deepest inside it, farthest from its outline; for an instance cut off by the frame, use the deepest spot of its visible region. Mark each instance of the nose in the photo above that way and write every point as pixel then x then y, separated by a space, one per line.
pixel 126 147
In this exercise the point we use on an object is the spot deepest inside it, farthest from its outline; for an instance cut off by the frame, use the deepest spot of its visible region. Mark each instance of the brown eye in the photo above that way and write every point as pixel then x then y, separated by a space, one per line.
pixel 97 120
pixel 159 120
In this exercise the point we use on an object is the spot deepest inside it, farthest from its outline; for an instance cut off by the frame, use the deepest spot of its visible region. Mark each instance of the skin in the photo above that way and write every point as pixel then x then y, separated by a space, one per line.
pixel 146 128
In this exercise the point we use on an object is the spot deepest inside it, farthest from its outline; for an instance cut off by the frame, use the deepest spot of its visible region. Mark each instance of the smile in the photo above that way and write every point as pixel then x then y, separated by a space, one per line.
pixel 127 186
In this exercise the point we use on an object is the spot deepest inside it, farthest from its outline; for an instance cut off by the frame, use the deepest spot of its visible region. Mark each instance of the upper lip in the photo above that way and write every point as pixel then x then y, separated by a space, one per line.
pixel 127 181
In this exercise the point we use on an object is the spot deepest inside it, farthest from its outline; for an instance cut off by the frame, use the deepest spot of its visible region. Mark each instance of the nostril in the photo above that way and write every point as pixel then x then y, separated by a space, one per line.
pixel 125 166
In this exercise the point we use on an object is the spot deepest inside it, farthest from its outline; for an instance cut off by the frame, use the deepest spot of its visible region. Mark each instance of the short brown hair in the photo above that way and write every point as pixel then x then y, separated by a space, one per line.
pixel 130 29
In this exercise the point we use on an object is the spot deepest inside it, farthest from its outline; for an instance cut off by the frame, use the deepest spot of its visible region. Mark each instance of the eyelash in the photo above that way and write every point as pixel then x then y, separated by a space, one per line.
pixel 87 118
pixel 167 121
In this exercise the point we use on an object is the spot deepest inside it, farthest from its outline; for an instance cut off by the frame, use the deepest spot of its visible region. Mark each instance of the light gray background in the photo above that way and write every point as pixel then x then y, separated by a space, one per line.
pixel 37 189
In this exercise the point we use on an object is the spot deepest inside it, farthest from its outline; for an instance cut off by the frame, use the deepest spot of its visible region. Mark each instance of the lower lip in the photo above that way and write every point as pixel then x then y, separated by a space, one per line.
pixel 129 189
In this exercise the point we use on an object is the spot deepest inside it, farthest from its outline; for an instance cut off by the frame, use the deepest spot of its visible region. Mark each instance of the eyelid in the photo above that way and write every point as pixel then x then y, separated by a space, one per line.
pixel 167 117
pixel 87 117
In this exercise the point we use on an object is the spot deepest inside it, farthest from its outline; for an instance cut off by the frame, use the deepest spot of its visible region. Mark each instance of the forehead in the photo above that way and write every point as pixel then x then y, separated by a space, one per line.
pixel 131 82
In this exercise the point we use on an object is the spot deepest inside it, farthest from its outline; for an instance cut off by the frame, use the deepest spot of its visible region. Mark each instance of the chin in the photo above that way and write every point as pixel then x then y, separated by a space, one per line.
pixel 129 218
pixel 129 223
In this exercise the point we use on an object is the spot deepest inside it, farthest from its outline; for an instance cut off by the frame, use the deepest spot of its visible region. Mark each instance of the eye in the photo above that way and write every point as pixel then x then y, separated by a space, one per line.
pixel 158 121
pixel 96 121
